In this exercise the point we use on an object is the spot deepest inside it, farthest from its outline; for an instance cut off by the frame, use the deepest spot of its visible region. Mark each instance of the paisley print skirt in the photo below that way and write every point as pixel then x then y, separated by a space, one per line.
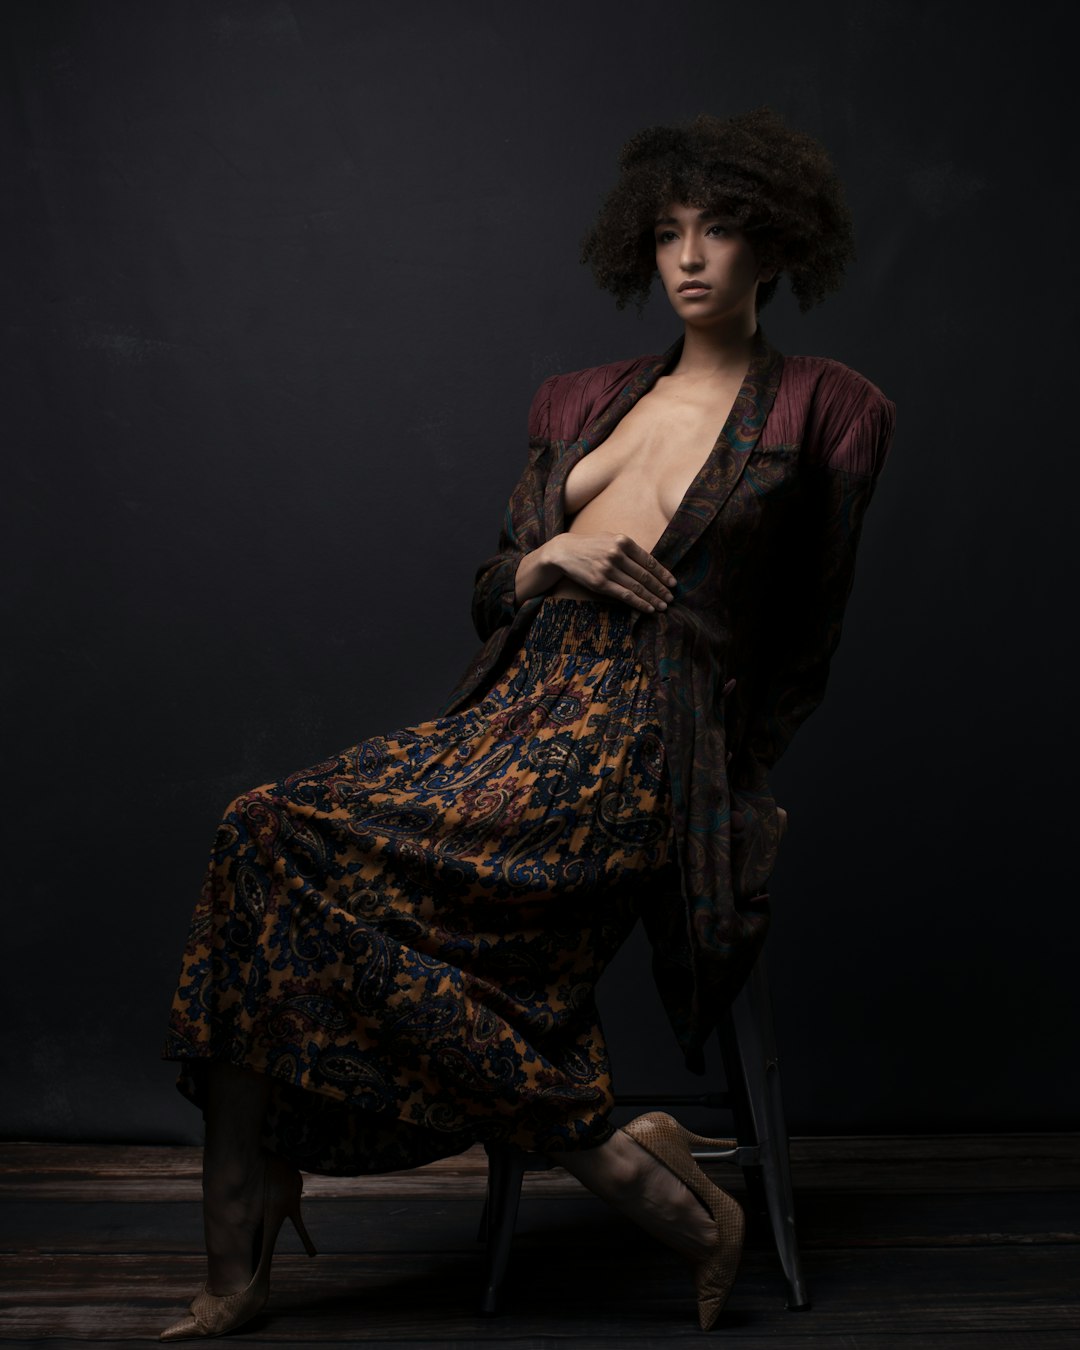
pixel 407 937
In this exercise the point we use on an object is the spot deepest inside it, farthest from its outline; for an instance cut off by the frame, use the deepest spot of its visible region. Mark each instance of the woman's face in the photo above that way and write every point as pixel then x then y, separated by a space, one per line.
pixel 709 271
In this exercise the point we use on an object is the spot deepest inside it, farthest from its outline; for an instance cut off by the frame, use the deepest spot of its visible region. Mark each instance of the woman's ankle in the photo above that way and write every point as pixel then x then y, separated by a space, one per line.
pixel 611 1169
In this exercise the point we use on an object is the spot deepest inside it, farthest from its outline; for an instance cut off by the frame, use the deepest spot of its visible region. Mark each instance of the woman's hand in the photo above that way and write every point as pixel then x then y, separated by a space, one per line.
pixel 612 565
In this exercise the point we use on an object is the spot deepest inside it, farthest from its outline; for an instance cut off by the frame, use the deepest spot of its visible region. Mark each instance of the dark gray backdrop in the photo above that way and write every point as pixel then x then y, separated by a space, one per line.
pixel 283 278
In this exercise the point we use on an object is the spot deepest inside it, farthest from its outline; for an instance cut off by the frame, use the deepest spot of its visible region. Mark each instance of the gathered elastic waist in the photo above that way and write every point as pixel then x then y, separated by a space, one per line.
pixel 591 627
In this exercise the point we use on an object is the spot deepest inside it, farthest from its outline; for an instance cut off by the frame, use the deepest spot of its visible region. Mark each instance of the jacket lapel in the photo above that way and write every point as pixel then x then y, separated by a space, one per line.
pixel 728 458
pixel 595 431
pixel 719 474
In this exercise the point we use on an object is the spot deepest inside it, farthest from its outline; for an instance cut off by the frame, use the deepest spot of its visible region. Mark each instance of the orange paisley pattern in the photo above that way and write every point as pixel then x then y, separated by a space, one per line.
pixel 407 937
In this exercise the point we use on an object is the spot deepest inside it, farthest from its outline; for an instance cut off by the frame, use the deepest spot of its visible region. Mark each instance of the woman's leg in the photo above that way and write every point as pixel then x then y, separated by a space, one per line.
pixel 630 1179
pixel 233 1164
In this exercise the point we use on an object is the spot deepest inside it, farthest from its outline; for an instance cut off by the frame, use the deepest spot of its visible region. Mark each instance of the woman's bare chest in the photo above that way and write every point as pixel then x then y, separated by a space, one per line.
pixel 635 480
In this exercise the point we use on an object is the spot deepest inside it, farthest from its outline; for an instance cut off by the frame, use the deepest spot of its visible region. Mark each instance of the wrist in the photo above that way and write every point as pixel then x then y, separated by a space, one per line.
pixel 549 553
pixel 537 571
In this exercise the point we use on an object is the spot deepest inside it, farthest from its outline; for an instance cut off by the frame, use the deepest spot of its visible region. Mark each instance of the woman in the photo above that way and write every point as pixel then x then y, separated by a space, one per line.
pixel 395 952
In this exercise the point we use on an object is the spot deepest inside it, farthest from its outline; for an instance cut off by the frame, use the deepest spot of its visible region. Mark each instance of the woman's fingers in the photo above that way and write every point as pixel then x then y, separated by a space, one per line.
pixel 659 578
pixel 648 580
pixel 636 595
pixel 641 573
pixel 638 587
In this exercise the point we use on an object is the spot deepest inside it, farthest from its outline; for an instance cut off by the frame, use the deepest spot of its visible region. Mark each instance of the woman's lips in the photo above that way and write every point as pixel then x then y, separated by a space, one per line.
pixel 693 288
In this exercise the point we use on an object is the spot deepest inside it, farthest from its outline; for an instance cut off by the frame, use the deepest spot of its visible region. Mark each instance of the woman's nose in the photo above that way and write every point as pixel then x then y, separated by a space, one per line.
pixel 691 256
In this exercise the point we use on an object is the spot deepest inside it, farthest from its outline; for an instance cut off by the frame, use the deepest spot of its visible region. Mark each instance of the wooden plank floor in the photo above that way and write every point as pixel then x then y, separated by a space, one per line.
pixel 928 1243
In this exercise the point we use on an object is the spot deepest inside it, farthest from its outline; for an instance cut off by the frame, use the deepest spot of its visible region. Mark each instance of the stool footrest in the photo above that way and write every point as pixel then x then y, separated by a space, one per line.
pixel 714 1101
pixel 746 1155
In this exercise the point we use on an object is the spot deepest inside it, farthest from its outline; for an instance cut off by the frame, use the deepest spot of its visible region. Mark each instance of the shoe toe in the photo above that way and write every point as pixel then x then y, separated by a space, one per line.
pixel 184 1330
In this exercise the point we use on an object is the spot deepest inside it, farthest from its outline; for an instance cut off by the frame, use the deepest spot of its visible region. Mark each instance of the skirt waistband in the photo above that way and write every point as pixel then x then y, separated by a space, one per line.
pixel 591 627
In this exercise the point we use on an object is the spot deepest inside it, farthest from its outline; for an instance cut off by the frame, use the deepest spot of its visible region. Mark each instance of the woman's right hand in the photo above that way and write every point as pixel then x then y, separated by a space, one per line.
pixel 611 565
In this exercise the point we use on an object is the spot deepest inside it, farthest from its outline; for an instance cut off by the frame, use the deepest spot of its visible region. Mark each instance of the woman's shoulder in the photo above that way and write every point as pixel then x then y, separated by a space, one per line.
pixel 565 403
pixel 824 383
pixel 841 417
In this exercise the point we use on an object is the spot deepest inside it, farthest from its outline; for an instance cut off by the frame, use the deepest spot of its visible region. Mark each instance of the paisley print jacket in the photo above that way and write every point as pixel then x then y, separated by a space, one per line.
pixel 763 548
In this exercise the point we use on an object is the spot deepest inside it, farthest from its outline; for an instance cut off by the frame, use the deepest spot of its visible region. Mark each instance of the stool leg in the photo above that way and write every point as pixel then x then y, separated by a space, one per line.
pixel 506 1168
pixel 743 1116
pixel 753 1025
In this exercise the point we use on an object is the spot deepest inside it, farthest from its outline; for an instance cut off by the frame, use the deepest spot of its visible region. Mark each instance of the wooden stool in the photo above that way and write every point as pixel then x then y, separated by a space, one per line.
pixel 748 1050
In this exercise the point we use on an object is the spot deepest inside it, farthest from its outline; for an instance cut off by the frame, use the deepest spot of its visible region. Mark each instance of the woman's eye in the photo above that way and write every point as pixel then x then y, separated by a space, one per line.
pixel 719 230
pixel 665 236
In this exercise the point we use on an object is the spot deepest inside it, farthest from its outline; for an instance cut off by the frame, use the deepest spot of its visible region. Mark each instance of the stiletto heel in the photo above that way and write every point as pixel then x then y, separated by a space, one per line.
pixel 214 1314
pixel 302 1233
pixel 669 1142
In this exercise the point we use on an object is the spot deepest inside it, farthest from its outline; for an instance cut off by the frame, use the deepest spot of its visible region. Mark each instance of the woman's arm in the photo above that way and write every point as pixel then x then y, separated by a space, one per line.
pixel 839 483
pixel 495 599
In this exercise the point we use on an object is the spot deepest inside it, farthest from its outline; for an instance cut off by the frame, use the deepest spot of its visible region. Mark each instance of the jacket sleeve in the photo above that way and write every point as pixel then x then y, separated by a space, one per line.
pixel 817 577
pixel 493 603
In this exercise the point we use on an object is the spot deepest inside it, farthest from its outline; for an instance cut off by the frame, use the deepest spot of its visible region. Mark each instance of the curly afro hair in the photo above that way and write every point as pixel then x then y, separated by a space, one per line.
pixel 776 185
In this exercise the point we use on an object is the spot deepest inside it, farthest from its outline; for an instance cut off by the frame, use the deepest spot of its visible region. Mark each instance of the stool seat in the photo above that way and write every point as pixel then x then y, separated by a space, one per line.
pixel 753 1095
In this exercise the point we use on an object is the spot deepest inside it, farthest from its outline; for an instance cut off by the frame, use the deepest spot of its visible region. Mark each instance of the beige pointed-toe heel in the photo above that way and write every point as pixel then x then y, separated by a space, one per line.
pixel 669 1143
pixel 213 1314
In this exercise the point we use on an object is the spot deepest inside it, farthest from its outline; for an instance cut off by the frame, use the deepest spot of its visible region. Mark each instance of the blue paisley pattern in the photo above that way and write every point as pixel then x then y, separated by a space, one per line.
pixel 407 936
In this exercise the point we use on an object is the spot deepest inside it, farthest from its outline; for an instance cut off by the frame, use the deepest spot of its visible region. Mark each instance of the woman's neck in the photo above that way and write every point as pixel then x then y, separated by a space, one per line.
pixel 719 351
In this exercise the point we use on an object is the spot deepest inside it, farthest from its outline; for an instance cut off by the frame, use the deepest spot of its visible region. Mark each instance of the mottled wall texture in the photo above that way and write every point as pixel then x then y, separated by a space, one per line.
pixel 280 281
